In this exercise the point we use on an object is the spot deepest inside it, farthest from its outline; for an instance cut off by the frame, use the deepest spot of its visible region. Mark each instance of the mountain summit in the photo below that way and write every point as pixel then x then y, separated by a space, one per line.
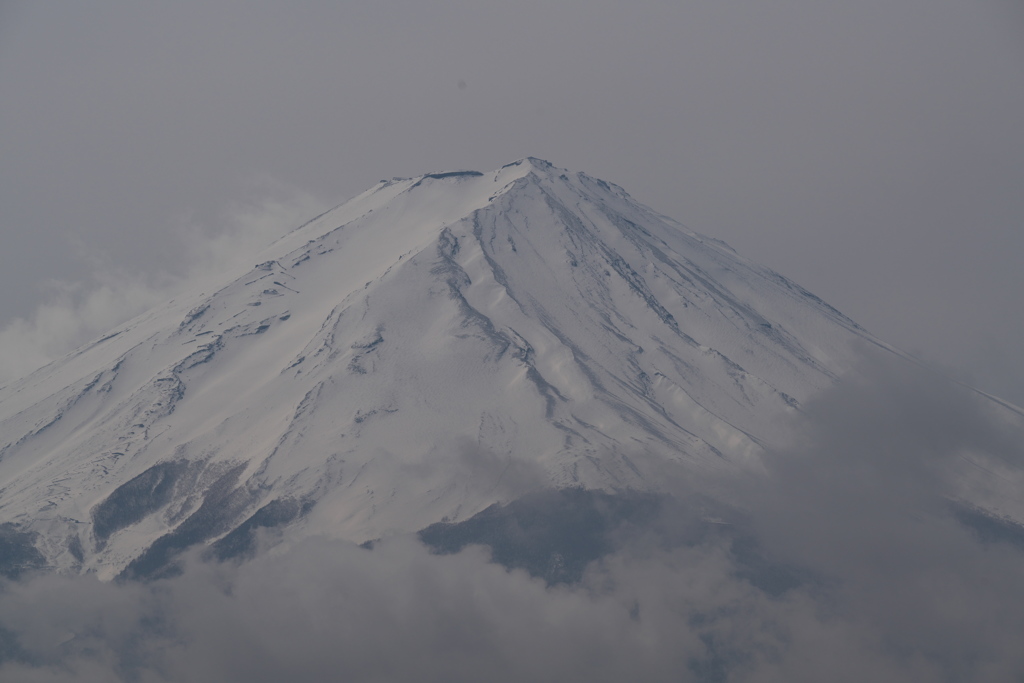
pixel 428 348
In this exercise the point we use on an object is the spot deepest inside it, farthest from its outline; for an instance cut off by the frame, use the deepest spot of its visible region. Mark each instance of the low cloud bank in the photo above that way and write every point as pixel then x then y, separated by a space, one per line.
pixel 883 580
pixel 76 313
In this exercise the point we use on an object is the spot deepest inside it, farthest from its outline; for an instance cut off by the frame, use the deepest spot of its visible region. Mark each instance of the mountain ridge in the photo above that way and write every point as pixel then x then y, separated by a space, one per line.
pixel 429 348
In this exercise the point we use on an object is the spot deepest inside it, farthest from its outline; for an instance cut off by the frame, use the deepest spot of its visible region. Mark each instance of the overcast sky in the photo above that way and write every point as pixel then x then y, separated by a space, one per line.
pixel 873 150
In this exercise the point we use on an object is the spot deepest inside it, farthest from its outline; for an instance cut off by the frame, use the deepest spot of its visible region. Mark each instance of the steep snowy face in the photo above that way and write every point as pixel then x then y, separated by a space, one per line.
pixel 432 346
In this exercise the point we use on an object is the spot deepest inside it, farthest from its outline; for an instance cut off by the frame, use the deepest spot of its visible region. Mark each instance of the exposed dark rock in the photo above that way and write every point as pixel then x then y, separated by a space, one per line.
pixel 555 534
pixel 551 534
pixel 18 553
pixel 138 497
pixel 987 527
pixel 240 543
pixel 221 505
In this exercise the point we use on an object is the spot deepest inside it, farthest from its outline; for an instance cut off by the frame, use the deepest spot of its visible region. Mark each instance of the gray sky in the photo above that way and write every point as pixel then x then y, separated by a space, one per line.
pixel 872 150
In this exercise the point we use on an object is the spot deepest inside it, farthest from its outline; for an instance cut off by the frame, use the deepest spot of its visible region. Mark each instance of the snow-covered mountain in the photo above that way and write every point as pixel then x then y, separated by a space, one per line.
pixel 428 348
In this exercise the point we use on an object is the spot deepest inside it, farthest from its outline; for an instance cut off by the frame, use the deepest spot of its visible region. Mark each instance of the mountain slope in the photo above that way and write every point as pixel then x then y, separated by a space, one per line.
pixel 430 347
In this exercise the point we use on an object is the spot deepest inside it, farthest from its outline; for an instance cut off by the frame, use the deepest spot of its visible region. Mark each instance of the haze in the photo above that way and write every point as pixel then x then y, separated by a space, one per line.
pixel 872 151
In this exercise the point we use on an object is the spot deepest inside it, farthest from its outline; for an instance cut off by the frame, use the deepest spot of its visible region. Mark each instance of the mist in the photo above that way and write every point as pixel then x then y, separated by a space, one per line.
pixel 870 150
pixel 848 558
pixel 80 310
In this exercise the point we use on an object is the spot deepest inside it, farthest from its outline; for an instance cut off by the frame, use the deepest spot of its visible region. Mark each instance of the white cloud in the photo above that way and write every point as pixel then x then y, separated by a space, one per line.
pixel 891 586
pixel 77 312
